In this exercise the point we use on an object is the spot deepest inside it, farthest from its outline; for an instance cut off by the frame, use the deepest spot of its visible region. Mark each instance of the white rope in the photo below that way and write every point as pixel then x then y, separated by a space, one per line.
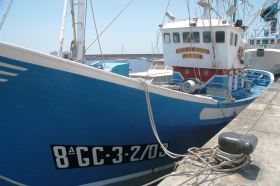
pixel 207 161
pixel 219 103
pixel 153 126
pixel 11 181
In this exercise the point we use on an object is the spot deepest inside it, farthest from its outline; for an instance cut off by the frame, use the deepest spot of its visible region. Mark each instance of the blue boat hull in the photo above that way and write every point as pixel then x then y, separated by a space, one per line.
pixel 63 128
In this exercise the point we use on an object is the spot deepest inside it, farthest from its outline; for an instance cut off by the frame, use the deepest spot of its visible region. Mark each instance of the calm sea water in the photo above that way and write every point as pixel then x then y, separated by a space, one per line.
pixel 135 65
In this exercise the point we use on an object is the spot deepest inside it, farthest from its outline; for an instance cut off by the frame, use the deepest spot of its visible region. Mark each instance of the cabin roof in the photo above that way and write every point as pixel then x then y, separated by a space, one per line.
pixel 200 22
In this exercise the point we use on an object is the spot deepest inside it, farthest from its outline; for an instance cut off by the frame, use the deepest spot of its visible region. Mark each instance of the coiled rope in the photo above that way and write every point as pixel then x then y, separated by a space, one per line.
pixel 206 159
pixel 206 162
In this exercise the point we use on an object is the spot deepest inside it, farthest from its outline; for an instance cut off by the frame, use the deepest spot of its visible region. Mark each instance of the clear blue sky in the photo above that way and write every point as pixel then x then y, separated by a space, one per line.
pixel 36 23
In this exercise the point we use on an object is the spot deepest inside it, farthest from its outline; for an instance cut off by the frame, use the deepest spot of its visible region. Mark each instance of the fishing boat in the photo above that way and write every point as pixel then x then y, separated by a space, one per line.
pixel 264 51
pixel 63 122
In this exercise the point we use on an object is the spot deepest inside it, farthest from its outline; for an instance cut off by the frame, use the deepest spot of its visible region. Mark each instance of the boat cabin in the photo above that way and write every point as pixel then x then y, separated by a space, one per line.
pixel 201 49
pixel 265 42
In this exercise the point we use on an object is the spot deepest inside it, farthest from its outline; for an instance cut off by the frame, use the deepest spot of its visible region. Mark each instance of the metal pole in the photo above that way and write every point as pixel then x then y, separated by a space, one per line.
pixel 61 40
pixel 81 31
pixel 234 14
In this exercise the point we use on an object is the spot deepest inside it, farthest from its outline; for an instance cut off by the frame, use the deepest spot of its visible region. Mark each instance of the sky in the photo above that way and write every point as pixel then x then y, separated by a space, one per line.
pixel 36 24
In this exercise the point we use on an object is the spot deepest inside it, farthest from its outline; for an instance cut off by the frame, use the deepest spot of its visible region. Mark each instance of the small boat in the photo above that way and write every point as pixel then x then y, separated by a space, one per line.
pixel 121 59
pixel 120 68
pixel 264 51
pixel 63 122
pixel 158 73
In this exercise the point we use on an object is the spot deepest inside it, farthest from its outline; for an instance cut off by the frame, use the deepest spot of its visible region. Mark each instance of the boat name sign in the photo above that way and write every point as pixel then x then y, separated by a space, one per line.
pixel 73 156
pixel 192 49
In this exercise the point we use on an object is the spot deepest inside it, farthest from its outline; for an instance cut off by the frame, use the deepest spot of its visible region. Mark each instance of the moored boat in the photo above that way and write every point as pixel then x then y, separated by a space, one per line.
pixel 67 123
pixel 264 51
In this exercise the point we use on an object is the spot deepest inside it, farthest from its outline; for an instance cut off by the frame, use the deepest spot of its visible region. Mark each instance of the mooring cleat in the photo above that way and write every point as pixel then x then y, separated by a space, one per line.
pixel 234 143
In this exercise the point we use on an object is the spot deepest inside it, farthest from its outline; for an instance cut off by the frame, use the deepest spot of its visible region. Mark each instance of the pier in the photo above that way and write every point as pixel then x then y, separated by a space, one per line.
pixel 127 56
pixel 261 118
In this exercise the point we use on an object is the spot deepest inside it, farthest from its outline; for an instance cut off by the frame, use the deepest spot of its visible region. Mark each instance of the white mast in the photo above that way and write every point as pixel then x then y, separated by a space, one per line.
pixel 81 31
pixel 62 29
pixel 6 13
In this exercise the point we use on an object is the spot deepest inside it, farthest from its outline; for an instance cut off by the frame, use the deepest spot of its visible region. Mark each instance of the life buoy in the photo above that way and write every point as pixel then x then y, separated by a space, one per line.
pixel 240 53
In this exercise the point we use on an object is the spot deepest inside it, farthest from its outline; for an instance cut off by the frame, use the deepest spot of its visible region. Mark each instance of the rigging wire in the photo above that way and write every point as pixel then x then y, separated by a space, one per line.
pixel 161 24
pixel 158 34
pixel 6 14
pixel 265 4
pixel 95 26
pixel 114 19
pixel 191 36
pixel 86 5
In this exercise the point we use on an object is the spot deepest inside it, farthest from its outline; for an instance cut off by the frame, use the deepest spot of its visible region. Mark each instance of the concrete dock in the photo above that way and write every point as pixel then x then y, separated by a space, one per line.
pixel 261 118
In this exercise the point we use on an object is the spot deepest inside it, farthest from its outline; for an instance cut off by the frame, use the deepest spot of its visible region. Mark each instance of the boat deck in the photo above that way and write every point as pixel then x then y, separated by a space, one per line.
pixel 260 118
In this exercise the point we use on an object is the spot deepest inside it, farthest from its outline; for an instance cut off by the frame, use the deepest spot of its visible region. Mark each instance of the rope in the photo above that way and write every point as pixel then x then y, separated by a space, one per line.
pixel 153 126
pixel 11 181
pixel 207 161
pixel 117 16
pixel 219 103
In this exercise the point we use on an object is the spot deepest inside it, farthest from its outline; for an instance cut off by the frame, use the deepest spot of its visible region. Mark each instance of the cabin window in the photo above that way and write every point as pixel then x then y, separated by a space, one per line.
pixel 252 42
pixel 176 37
pixel 231 39
pixel 272 41
pixel 258 41
pixel 265 41
pixel 166 37
pixel 278 41
pixel 220 37
pixel 191 37
pixel 196 37
pixel 207 37
pixel 236 40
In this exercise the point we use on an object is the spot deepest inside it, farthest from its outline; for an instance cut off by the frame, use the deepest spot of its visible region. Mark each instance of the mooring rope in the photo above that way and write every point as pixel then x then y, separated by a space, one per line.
pixel 153 125
pixel 207 160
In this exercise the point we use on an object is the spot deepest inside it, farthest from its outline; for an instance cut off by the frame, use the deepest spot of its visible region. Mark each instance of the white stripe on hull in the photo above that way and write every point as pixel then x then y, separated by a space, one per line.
pixel 3 80
pixel 220 113
pixel 12 66
pixel 7 73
